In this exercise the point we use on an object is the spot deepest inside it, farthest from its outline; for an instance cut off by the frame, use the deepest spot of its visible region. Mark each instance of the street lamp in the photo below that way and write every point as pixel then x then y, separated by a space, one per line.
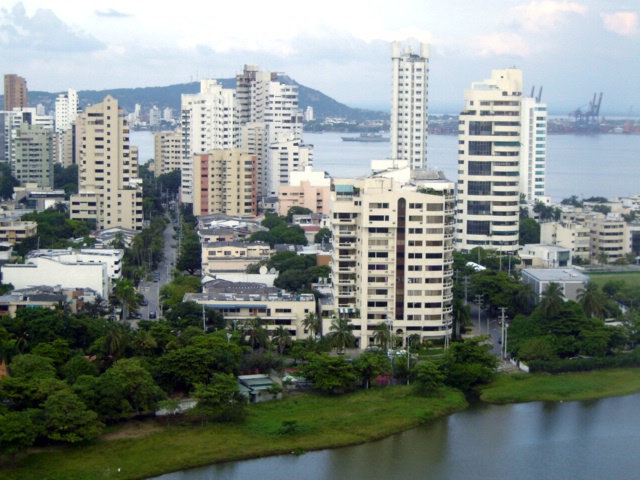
pixel 229 335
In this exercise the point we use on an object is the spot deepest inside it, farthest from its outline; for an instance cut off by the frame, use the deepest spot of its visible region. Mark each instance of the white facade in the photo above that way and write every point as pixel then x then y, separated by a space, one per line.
pixel 409 105
pixel 489 152
pixel 67 109
pixel 52 272
pixel 207 123
pixel 393 255
pixel 533 153
pixel 111 257
pixel 285 155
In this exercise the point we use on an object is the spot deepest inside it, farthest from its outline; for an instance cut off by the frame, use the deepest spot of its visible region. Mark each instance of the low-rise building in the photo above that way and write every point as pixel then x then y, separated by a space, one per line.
pixel 240 302
pixel 15 231
pixel 44 297
pixel 309 189
pixel 545 256
pixel 570 280
pixel 232 256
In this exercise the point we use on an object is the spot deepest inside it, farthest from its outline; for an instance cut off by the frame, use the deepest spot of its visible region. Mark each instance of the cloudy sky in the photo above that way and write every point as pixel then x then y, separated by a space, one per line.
pixel 571 48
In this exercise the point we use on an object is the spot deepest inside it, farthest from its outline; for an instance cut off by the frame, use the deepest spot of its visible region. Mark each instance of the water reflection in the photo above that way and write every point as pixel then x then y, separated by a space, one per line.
pixel 574 440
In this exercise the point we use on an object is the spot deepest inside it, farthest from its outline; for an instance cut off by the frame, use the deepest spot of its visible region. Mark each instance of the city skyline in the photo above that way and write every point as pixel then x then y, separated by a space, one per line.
pixel 568 47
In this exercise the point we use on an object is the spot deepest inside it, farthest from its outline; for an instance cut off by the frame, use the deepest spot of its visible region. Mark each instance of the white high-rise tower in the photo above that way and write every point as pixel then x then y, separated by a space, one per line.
pixel 409 105
pixel 490 151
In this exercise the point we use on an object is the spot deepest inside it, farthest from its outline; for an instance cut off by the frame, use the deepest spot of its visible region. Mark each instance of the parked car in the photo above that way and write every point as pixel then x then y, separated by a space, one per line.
pixel 144 303
pixel 152 315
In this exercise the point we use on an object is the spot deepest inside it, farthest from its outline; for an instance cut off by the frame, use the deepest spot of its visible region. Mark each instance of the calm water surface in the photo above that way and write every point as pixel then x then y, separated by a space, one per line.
pixel 593 440
pixel 599 165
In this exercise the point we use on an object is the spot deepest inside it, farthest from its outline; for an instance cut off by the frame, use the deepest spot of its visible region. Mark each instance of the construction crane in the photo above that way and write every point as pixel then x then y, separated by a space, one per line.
pixel 588 121
pixel 627 125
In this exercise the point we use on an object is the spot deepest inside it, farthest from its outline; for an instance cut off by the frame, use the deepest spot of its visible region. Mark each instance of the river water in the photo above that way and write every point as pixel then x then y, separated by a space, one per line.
pixel 592 440
pixel 582 165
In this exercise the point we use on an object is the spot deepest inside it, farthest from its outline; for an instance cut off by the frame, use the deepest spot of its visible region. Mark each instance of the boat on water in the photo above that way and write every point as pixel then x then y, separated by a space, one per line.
pixel 367 138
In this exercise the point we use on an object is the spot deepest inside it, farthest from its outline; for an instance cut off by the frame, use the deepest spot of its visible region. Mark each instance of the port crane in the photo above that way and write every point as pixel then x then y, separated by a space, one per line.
pixel 588 121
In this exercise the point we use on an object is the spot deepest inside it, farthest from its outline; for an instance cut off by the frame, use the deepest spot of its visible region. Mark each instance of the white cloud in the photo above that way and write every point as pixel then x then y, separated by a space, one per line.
pixel 502 44
pixel 622 23
pixel 538 16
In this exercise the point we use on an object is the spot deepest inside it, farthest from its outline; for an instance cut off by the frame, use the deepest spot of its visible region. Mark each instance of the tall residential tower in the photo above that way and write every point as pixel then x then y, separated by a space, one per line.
pixel 502 140
pixel 409 107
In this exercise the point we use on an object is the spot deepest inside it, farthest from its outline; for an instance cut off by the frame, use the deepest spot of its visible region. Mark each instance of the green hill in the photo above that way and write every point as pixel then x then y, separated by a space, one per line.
pixel 169 96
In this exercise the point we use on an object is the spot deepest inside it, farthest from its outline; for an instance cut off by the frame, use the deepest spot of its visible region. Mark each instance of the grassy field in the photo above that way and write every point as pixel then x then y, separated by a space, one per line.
pixel 632 279
pixel 521 387
pixel 322 422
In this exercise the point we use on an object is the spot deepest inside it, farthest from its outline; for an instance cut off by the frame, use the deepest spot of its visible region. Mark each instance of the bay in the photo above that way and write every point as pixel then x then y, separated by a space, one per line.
pixel 583 165
pixel 589 440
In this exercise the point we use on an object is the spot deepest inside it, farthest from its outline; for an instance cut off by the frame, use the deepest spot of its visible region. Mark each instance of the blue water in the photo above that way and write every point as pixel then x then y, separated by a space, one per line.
pixel 599 165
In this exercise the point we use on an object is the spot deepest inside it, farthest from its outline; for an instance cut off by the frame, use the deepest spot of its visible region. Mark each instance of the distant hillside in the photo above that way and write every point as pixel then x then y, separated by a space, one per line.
pixel 162 97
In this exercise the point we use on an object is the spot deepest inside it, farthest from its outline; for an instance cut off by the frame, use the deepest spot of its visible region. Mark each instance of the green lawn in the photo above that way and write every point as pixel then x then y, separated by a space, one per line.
pixel 322 421
pixel 521 387
pixel 632 279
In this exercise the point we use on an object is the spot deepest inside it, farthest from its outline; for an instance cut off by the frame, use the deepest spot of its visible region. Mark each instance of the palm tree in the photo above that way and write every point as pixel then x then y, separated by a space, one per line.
pixel 461 316
pixel 313 324
pixel 592 301
pixel 341 335
pixel 115 341
pixel 255 331
pixel 525 298
pixel 125 292
pixel 282 338
pixel 552 300
pixel 382 335
pixel 603 258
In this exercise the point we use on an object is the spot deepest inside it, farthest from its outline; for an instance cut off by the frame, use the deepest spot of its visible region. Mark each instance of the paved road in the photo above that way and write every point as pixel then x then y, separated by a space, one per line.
pixel 151 289
pixel 495 329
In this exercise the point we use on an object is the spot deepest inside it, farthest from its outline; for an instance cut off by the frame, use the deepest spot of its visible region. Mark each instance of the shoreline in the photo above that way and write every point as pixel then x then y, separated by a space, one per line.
pixel 324 423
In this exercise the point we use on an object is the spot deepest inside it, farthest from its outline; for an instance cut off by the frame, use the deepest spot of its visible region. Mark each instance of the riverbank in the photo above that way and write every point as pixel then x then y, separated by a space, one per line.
pixel 321 422
pixel 522 387
pixel 145 449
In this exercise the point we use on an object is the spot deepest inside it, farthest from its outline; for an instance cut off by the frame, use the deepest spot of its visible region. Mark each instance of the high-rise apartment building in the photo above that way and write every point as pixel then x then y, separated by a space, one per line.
pixel 32 160
pixel 109 189
pixel 490 148
pixel 225 181
pixel 207 123
pixel 15 92
pixel 263 103
pixel 393 254
pixel 409 105
pixel 533 153
pixel 66 110
pixel 167 152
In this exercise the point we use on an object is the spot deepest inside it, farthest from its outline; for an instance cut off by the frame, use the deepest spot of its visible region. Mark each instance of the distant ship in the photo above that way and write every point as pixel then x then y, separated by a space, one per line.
pixel 367 138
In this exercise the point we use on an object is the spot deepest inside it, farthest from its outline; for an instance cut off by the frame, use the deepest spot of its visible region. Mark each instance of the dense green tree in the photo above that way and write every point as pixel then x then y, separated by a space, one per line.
pixel 184 314
pixel 529 231
pixel 468 363
pixel 29 366
pixel 220 399
pixel 323 236
pixel 330 374
pixel 182 368
pixel 18 431
pixel 537 348
pixel 125 389
pixel 190 258
pixel 428 377
pixel 7 182
pixel 58 351
pixel 173 293
pixel 79 365
pixel 67 419
pixel 369 365
pixel 296 211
